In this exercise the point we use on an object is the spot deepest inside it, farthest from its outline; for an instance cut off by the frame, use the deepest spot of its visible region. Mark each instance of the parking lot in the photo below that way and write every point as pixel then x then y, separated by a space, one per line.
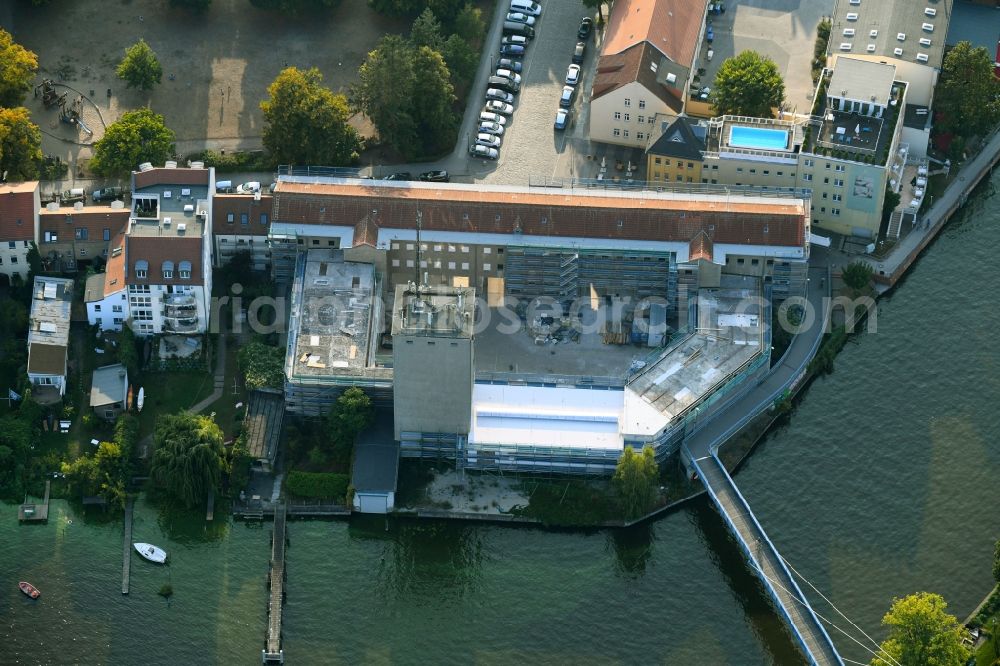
pixel 784 30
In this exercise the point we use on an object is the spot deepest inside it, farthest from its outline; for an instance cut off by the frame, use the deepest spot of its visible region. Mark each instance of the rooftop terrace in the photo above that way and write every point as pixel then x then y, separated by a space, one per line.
pixel 433 310
pixel 50 311
pixel 169 211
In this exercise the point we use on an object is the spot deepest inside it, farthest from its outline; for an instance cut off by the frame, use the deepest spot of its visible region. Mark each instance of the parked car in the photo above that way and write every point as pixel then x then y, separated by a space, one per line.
pixel 497 106
pixel 491 128
pixel 248 187
pixel 512 50
pixel 578 52
pixel 437 176
pixel 507 74
pixel 562 119
pixel 399 175
pixel 566 99
pixel 224 186
pixel 518 17
pixel 490 117
pixel 515 40
pixel 499 95
pixel 511 64
pixel 526 7
pixel 503 83
pixel 586 25
pixel 573 75
pixel 709 35
pixel 107 194
pixel 518 29
pixel 484 139
pixel 75 195
pixel 484 152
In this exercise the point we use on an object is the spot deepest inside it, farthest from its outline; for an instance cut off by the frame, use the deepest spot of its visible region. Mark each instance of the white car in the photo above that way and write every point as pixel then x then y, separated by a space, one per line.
pixel 518 17
pixel 526 7
pixel 488 140
pixel 496 106
pixel 488 117
pixel 484 152
pixel 248 188
pixel 495 94
pixel 491 128
pixel 507 74
pixel 573 75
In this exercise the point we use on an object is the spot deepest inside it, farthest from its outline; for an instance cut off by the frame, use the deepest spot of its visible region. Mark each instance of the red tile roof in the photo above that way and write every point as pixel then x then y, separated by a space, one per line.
pixel 700 247
pixel 17 211
pixel 114 270
pixel 632 65
pixel 93 218
pixel 541 212
pixel 157 250
pixel 670 26
pixel 162 176
pixel 224 205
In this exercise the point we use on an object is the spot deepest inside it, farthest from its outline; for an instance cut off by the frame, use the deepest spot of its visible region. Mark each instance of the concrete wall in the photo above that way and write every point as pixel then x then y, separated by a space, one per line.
pixel 432 384
pixel 643 104
pixel 102 313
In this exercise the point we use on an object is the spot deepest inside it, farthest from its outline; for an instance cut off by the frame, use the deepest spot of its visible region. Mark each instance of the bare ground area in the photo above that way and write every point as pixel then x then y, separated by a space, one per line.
pixel 216 66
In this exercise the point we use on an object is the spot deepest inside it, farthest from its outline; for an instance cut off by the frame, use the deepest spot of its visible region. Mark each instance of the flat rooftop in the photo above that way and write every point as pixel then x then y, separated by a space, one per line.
pixel 730 334
pixel 51 300
pixel 862 80
pixel 169 211
pixel 262 425
pixel 880 22
pixel 727 134
pixel 331 319
pixel 440 311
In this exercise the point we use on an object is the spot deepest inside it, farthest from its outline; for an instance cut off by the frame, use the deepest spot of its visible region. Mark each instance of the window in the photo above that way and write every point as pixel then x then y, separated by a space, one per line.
pixel 741 261
pixel 244 219
pixel 824 195
pixel 680 178
pixel 781 173
pixel 185 270
pixel 657 160
pixel 465 266
pixel 827 165
pixel 230 217
pixel 118 321
pixel 499 250
pixel 107 234
pixel 835 211
pixel 437 263
pixel 409 263
pixel 487 267
pixel 395 246
pixel 628 102
pixel 616 132
pixel 451 265
pixel 51 237
pixel 451 248
pixel 826 181
pixel 753 170
pixel 807 177
pixel 808 163
pixel 116 308
pixel 839 167
pixel 642 104
pixel 409 246
pixel 81 233
pixel 641 119
pixel 767 172
pixel 739 169
pixel 618 115
pixel 97 308
pixel 715 167
pixel 838 182
pixel 640 135
pixel 438 248
pixel 627 117
pixel 168 274
pixel 837 197
pixel 465 249
pixel 487 250
pixel 315 241
pixel 690 165
pixel 625 133
pixel 395 263
pixel 822 209
pixel 12 245
pixel 423 264
pixel 263 218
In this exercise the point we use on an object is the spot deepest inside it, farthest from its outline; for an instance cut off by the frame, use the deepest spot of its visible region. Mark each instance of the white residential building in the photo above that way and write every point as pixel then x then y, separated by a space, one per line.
pixel 19 205
pixel 48 336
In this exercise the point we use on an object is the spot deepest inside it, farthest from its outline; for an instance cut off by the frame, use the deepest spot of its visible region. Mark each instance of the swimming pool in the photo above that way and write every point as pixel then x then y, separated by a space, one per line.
pixel 758 138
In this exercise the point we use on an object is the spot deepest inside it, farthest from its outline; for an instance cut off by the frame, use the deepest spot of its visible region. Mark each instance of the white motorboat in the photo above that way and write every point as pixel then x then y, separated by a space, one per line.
pixel 141 399
pixel 151 552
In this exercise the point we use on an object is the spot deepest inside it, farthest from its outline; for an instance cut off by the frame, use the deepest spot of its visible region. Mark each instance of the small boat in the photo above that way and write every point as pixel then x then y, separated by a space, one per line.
pixel 29 589
pixel 140 399
pixel 151 552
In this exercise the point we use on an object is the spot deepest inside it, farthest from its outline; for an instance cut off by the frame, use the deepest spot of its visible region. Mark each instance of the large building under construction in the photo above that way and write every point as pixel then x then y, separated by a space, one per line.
pixel 529 329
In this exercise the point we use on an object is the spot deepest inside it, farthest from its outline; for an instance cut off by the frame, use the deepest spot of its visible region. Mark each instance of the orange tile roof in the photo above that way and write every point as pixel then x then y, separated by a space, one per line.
pixel 94 218
pixel 17 211
pixel 540 212
pixel 671 26
pixel 238 204
pixel 620 69
pixel 114 270
pixel 163 176
pixel 157 250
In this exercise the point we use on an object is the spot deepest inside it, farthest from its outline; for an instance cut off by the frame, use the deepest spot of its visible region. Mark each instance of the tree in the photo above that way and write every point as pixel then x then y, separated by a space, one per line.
pixel 996 562
pixel 294 6
pixel 968 98
pixel 426 30
pixel 748 84
pixel 140 67
pixel 20 144
pixel 889 204
pixel 17 69
pixel 128 353
pixel 469 24
pixel 262 365
pixel 433 97
pixel 857 275
pixel 138 136
pixel 307 122
pixel 921 633
pixel 352 413
pixel 192 5
pixel 462 60
pixel 104 473
pixel 636 479
pixel 189 458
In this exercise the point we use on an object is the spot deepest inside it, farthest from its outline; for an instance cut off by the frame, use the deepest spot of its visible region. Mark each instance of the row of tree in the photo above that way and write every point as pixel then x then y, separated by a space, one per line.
pixel 20 138
pixel 107 471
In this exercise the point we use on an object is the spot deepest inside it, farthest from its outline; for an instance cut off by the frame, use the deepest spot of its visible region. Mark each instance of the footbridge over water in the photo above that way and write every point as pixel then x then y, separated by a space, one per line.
pixel 700 451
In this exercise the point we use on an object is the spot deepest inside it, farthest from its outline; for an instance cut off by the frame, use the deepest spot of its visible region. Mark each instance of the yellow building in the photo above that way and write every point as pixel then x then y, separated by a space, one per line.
pixel 675 156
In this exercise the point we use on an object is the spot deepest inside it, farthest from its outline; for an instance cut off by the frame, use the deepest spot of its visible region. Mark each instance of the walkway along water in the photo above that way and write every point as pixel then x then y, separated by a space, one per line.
pixel 273 652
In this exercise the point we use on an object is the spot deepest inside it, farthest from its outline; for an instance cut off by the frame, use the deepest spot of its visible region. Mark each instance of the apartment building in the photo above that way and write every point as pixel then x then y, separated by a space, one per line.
pixel 19 204
pixel 240 223
pixel 70 235
pixel 105 295
pixel 167 250
pixel 48 337
pixel 644 69
pixel 847 153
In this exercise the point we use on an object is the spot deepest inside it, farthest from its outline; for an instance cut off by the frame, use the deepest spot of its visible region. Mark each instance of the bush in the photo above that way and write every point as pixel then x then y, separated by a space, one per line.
pixel 317 484
pixel 254 160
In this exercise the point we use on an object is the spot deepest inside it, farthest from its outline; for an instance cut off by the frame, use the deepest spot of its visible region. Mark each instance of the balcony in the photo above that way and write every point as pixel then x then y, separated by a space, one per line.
pixel 185 325
pixel 180 300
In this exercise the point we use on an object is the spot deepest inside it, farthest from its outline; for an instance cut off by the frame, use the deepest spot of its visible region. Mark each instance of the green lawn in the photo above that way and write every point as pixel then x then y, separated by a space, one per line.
pixel 171 392
pixel 226 415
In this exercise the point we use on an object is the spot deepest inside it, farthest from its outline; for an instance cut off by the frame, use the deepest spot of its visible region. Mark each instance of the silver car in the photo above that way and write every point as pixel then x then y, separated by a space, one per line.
pixel 499 95
pixel 484 139
pixel 484 151
pixel 491 128
pixel 518 17
pixel 488 117
pixel 496 106
pixel 507 74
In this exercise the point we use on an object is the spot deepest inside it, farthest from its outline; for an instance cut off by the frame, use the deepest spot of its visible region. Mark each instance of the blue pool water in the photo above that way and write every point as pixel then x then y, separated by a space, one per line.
pixel 758 138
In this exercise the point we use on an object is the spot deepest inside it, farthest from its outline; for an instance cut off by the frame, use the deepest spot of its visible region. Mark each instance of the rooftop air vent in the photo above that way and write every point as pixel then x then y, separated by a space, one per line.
pixel 167 221
pixel 873 34
pixel 146 166
pixel 901 36
pixel 186 192
pixel 922 57
pixel 52 205
pixel 848 32
pixel 167 194
pixel 671 78
pixel 170 164
pixel 855 2
pixel 852 16
pixel 197 165
pixel 188 208
pixel 870 48
pixel 930 11
pixel 924 41
pixel 897 51
pixel 181 227
pixel 928 27
pixel 845 46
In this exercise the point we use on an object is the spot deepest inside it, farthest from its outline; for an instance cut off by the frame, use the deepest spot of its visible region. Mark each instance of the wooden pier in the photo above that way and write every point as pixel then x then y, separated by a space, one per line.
pixel 273 652
pixel 127 545
pixel 35 513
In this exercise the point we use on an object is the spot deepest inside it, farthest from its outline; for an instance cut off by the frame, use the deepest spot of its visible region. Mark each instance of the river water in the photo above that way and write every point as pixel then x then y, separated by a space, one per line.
pixel 883 482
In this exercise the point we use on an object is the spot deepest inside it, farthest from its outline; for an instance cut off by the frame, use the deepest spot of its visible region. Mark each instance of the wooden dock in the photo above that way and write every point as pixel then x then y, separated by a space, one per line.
pixel 273 653
pixel 127 545
pixel 35 513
